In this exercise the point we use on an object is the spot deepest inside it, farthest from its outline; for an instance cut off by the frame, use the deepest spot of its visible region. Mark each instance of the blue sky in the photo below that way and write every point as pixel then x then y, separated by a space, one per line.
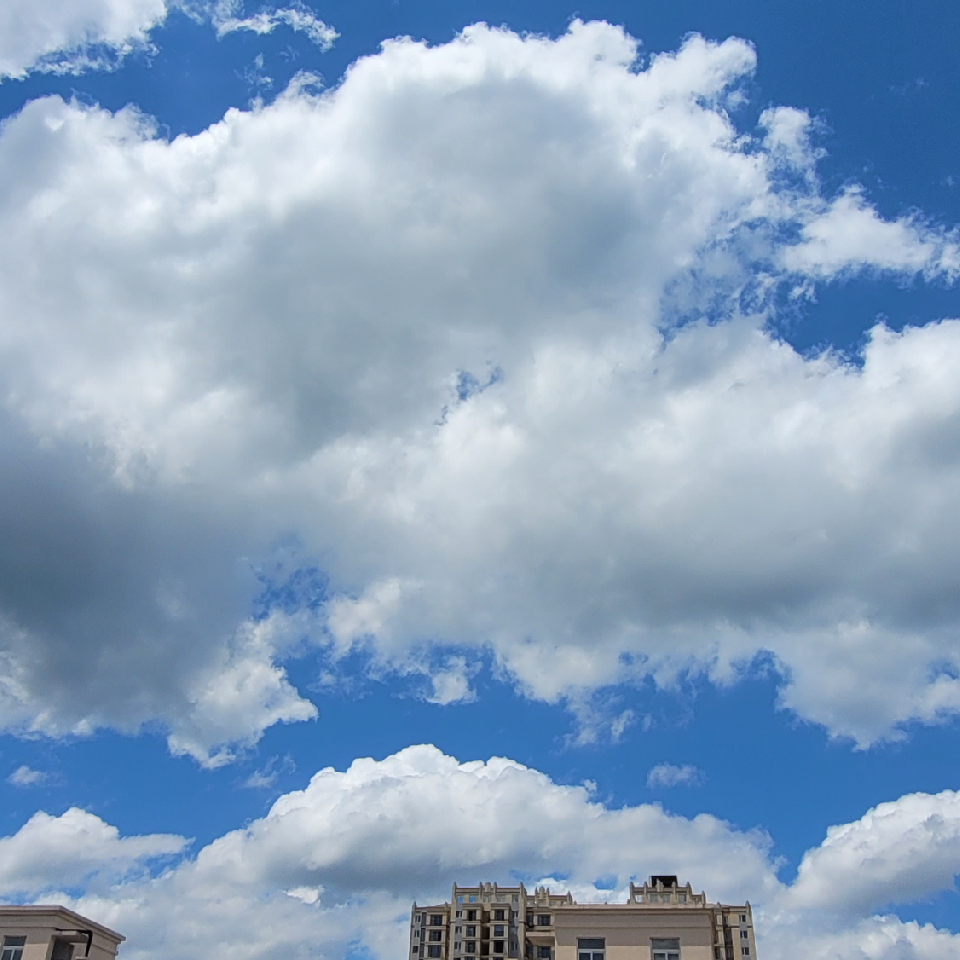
pixel 573 386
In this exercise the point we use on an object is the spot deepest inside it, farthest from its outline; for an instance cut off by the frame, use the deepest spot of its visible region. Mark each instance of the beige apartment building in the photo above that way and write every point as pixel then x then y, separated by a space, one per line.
pixel 661 920
pixel 54 933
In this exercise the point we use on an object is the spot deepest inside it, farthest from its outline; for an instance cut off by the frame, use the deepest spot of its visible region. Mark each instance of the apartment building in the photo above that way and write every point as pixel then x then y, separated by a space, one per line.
pixel 54 933
pixel 664 920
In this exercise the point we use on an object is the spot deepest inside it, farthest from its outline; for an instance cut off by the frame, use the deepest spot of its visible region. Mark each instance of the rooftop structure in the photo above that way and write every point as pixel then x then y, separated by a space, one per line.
pixel 54 933
pixel 666 920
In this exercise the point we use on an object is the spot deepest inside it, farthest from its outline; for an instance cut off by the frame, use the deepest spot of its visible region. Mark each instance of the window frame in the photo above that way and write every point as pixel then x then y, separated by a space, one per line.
pixel 665 948
pixel 12 946
pixel 591 948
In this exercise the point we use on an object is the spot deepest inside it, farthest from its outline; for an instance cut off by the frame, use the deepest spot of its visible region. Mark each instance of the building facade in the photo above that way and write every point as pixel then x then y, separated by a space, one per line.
pixel 661 920
pixel 54 933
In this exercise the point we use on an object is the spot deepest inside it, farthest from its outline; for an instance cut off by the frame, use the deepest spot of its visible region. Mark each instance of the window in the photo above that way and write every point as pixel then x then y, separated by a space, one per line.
pixel 436 920
pixel 590 948
pixel 746 951
pixel 470 946
pixel 666 948
pixel 497 914
pixel 743 918
pixel 498 930
pixel 459 914
pixel 744 935
pixel 416 934
pixel 498 946
pixel 543 919
pixel 457 931
pixel 433 951
pixel 543 953
pixel 471 931
pixel 13 947
pixel 416 919
pixel 681 898
pixel 436 935
pixel 653 898
pixel 471 914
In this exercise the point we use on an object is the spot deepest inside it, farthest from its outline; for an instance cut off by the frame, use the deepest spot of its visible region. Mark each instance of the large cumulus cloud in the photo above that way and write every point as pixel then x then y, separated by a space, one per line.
pixel 485 329
pixel 334 866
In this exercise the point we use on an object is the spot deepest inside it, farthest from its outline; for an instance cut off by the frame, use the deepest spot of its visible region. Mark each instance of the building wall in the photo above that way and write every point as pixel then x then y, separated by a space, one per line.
pixel 659 909
pixel 628 930
pixel 43 925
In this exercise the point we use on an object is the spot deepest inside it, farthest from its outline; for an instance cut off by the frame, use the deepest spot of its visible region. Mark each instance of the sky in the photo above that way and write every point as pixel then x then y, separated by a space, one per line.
pixel 445 442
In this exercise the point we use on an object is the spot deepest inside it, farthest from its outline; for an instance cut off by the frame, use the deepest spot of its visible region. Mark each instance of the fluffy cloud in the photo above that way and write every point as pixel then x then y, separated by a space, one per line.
pixel 849 235
pixel 483 330
pixel 874 938
pixel 69 849
pixel 338 862
pixel 65 36
pixel 430 820
pixel 897 852
pixel 72 36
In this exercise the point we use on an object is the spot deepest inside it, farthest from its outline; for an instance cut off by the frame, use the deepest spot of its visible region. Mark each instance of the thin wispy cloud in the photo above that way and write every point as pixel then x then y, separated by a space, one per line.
pixel 23 776
pixel 673 775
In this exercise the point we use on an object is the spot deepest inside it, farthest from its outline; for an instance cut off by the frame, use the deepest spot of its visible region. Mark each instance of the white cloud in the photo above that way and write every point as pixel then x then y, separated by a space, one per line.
pixel 237 697
pixel 419 819
pixel 339 862
pixel 67 36
pixel 875 938
pixel 71 849
pixel 299 19
pixel 673 775
pixel 74 36
pixel 789 137
pixel 23 776
pixel 267 776
pixel 897 852
pixel 429 322
pixel 849 235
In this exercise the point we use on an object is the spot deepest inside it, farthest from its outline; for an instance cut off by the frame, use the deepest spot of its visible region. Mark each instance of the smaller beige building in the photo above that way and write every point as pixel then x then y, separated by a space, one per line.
pixel 661 920
pixel 54 933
